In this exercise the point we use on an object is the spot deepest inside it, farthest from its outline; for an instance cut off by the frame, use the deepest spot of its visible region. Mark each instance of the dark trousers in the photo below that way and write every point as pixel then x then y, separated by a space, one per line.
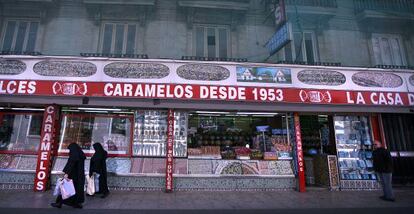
pixel 386 183
pixel 103 184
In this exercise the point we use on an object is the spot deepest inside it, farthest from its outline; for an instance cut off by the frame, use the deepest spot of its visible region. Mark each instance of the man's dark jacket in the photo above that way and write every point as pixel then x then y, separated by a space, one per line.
pixel 382 160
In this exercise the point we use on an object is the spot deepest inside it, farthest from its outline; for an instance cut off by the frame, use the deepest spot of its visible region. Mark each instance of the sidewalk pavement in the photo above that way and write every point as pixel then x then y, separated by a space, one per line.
pixel 313 201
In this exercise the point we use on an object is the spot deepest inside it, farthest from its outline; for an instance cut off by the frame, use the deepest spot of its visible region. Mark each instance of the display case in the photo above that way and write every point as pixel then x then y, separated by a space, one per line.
pixel 280 143
pixel 20 132
pixel 150 133
pixel 112 131
pixel 354 147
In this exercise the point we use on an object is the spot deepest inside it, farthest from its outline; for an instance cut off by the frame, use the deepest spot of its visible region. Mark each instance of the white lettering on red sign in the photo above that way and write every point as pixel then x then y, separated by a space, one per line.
pixel 299 153
pixel 211 92
pixel 386 98
pixel 411 99
pixel 17 87
pixel 148 90
pixel 268 94
pixel 169 158
pixel 43 166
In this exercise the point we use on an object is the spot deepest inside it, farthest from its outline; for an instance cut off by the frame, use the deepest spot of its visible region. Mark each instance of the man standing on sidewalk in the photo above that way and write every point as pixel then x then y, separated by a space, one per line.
pixel 383 166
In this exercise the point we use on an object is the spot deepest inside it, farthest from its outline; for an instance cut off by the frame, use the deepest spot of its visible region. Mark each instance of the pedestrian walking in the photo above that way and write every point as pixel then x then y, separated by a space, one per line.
pixel 75 170
pixel 98 168
pixel 383 167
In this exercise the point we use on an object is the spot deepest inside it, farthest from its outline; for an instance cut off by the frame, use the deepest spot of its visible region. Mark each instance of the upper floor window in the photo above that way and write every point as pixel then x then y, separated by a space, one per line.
pixel 20 35
pixel 211 41
pixel 388 49
pixel 302 48
pixel 119 38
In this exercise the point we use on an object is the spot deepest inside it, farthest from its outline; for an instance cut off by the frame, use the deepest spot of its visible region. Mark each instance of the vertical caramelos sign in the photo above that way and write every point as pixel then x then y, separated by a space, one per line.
pixel 47 142
pixel 169 158
pixel 299 153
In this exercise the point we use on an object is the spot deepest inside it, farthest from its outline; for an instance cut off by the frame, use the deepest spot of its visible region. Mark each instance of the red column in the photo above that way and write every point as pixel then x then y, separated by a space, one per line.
pixel 299 154
pixel 378 129
pixel 48 143
pixel 169 158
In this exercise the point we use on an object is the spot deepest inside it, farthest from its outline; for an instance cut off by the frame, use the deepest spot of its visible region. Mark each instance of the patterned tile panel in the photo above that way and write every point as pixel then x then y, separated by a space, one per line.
pixel 136 70
pixel 118 165
pixel 360 185
pixel 203 72
pixel 17 177
pixel 65 68
pixel 377 79
pixel 321 77
pixel 238 167
pixel 157 165
pixel 11 67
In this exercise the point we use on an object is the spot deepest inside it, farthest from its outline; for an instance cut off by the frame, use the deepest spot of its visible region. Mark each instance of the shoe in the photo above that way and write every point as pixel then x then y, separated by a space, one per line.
pixel 387 199
pixel 57 205
pixel 105 195
pixel 90 195
pixel 78 206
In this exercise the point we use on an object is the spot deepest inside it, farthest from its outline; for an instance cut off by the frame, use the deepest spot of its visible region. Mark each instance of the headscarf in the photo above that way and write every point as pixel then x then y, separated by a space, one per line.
pixel 75 152
pixel 100 153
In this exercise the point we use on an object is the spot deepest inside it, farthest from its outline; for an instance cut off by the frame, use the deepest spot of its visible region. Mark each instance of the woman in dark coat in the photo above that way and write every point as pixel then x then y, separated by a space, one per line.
pixel 75 170
pixel 98 166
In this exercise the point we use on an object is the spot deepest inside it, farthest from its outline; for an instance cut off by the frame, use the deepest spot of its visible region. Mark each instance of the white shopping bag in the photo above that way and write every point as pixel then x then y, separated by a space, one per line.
pixel 90 185
pixel 67 189
pixel 56 191
pixel 96 181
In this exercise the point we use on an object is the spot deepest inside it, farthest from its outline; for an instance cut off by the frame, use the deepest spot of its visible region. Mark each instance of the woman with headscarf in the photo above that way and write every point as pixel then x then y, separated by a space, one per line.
pixel 75 170
pixel 98 166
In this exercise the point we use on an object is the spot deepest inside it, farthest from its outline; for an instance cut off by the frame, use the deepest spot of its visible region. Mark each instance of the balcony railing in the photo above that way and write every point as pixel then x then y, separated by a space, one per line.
pixel 112 55
pixel 313 3
pixel 384 5
pixel 200 58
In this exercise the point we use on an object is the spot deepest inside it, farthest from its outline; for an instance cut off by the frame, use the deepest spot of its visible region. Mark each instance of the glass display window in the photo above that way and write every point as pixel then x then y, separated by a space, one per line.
pixel 354 147
pixel 238 135
pixel 112 131
pixel 20 132
pixel 150 133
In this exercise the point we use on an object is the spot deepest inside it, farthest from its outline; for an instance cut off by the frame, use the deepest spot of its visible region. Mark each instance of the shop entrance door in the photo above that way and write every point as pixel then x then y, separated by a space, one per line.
pixel 317 141
pixel 399 135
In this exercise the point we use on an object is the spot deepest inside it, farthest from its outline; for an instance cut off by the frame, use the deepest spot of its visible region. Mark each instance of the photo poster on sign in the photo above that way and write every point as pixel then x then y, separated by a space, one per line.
pixel 264 75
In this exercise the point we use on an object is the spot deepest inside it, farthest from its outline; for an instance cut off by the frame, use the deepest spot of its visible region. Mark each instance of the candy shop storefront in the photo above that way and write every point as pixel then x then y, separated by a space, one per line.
pixel 173 125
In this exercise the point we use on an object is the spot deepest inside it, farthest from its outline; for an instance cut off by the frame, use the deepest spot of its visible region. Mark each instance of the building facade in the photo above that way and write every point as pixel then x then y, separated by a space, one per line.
pixel 115 71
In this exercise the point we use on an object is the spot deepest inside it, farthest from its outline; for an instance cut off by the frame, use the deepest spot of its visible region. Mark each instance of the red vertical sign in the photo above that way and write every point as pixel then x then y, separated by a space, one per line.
pixel 169 158
pixel 375 128
pixel 47 144
pixel 299 154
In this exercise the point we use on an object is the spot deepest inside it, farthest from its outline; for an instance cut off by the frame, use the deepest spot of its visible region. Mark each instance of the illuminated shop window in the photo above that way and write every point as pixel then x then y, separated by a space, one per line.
pixel 354 146
pixel 244 135
pixel 112 131
pixel 20 132
pixel 150 133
